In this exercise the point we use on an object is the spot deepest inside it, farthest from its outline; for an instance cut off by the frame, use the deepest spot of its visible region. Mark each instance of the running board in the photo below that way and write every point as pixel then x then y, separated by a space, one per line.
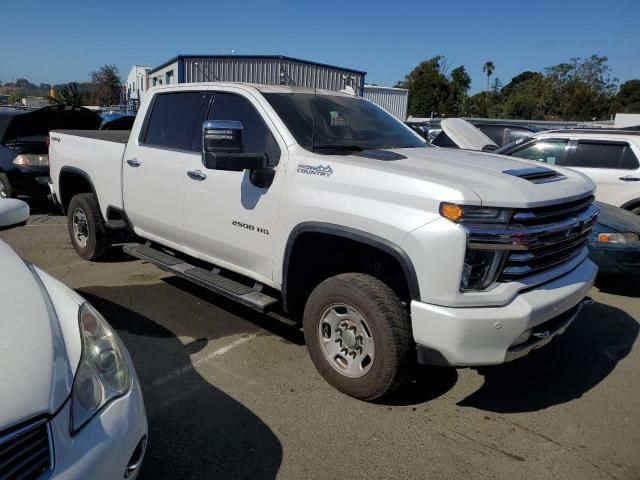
pixel 251 297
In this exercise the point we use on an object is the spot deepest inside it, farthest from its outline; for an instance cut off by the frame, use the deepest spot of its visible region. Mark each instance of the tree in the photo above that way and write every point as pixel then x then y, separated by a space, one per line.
pixel 69 95
pixel 106 85
pixel 488 68
pixel 628 98
pixel 428 88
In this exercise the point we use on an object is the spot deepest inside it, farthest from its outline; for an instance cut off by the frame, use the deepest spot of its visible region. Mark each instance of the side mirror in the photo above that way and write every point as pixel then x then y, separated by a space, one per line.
pixel 222 148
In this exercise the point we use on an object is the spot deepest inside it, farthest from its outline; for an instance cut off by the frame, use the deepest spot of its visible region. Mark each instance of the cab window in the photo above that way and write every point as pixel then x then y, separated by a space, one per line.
pixel 551 150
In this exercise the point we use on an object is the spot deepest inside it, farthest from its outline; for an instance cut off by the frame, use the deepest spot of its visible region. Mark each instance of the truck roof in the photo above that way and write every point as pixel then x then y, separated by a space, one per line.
pixel 260 87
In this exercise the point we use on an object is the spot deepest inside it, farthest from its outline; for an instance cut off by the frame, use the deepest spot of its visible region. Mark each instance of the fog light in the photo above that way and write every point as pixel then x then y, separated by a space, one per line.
pixel 136 458
pixel 522 338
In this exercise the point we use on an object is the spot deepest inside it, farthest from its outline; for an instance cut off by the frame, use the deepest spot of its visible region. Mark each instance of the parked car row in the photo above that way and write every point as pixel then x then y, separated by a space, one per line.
pixel 24 137
pixel 608 157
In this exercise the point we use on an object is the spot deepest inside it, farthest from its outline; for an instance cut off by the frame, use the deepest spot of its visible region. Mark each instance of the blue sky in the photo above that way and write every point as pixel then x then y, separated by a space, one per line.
pixel 55 42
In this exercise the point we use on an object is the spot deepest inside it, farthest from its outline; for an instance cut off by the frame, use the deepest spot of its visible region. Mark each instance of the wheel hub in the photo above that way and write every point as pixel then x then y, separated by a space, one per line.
pixel 80 228
pixel 346 340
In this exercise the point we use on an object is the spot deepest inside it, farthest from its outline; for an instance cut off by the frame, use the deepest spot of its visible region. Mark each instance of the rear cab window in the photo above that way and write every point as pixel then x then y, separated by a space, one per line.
pixel 173 119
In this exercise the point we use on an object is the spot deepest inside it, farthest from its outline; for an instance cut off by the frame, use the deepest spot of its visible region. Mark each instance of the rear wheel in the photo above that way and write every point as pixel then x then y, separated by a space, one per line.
pixel 358 335
pixel 5 186
pixel 86 227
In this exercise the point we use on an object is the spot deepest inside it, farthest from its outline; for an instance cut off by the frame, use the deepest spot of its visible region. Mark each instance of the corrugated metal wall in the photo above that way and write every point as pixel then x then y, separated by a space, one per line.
pixel 269 71
pixel 393 100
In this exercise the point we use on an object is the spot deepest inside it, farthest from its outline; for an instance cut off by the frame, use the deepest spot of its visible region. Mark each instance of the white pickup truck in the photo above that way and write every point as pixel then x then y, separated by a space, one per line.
pixel 321 205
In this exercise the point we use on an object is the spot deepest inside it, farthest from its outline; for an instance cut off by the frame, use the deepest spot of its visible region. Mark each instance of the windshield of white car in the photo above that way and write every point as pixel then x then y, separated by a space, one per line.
pixel 332 124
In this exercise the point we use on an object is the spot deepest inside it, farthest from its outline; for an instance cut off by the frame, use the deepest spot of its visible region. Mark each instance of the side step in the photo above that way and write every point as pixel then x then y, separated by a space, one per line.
pixel 249 296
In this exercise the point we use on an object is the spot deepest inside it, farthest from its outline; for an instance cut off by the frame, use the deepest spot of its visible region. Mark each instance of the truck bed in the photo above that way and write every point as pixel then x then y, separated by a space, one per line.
pixel 95 154
pixel 117 136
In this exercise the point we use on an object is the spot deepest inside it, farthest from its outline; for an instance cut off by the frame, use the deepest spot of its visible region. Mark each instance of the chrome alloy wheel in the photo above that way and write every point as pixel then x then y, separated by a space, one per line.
pixel 346 341
pixel 80 228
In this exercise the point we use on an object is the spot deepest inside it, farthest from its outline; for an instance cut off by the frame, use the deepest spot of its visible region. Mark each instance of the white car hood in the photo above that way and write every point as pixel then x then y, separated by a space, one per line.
pixel 473 174
pixel 465 135
pixel 35 374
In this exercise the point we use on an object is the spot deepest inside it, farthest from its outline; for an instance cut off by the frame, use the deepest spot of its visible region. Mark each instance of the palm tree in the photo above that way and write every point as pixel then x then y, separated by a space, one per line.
pixel 488 69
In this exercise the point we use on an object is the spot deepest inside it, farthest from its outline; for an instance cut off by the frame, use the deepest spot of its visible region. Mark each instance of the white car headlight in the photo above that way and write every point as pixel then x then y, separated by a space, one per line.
pixel 618 237
pixel 103 374
pixel 31 160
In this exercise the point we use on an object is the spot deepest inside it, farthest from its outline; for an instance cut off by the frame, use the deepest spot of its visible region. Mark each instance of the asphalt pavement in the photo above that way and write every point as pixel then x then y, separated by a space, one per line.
pixel 232 394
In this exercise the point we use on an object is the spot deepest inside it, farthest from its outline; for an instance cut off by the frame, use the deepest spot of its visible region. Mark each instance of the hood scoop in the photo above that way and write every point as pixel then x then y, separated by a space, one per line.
pixel 536 174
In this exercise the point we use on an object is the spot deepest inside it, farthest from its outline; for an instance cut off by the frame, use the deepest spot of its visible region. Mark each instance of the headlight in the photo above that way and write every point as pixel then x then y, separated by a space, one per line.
pixel 31 160
pixel 103 373
pixel 474 214
pixel 480 268
pixel 618 238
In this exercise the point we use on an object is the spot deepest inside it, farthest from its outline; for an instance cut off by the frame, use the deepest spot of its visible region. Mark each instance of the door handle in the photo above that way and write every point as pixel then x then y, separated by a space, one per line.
pixel 196 175
pixel 629 178
pixel 134 162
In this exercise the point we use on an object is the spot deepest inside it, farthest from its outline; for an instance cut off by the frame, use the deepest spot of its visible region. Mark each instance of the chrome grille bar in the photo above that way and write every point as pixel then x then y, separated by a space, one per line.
pixel 538 239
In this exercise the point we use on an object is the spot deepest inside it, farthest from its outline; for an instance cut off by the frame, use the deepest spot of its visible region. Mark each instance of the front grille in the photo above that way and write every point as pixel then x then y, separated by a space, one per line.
pixel 539 239
pixel 25 453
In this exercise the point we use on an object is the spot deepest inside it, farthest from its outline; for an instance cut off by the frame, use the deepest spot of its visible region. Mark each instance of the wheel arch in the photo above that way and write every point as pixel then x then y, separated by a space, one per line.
pixel 348 234
pixel 72 181
pixel 631 204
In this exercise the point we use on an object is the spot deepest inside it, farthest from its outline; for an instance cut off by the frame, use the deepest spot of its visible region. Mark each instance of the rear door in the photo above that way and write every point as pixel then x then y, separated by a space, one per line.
pixel 612 165
pixel 228 220
pixel 154 164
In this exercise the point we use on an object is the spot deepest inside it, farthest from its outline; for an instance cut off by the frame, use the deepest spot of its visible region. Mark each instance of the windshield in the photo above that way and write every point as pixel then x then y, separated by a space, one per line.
pixel 333 123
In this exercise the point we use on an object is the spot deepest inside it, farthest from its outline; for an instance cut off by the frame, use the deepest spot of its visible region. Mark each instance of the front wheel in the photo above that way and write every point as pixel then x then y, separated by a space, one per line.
pixel 86 227
pixel 358 335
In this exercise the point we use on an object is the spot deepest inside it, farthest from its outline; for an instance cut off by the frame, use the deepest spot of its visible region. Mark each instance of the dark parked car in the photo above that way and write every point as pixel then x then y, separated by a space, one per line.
pixel 24 159
pixel 615 241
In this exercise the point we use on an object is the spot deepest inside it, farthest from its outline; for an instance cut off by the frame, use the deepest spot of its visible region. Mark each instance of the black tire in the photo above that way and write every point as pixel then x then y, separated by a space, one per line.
pixel 635 209
pixel 97 244
pixel 387 322
pixel 5 187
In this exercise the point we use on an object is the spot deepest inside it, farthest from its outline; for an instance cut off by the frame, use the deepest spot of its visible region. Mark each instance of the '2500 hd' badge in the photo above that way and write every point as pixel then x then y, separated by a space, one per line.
pixel 319 170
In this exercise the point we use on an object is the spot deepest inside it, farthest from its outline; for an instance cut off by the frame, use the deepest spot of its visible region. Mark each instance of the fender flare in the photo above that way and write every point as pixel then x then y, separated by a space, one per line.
pixel 366 238
pixel 75 171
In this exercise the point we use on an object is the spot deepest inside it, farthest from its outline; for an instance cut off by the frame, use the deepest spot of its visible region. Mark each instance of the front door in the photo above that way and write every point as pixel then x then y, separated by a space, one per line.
pixel 228 220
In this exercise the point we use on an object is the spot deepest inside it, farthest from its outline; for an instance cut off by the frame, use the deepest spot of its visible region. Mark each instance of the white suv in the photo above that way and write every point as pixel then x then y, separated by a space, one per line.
pixel 608 157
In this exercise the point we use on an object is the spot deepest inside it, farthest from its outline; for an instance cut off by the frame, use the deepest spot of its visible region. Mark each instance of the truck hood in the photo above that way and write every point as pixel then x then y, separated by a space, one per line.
pixel 493 178
pixel 35 373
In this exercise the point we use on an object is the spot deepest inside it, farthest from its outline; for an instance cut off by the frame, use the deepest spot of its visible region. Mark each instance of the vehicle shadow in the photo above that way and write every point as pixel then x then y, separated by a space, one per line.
pixel 564 370
pixel 195 430
pixel 626 285
pixel 424 384
pixel 290 333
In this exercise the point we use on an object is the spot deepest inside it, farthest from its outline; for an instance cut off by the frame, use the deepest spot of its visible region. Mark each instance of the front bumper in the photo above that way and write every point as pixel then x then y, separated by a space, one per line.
pixel 104 447
pixel 486 335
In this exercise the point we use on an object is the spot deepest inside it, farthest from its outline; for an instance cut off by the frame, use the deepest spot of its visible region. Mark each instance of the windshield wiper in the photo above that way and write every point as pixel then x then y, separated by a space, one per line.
pixel 339 147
